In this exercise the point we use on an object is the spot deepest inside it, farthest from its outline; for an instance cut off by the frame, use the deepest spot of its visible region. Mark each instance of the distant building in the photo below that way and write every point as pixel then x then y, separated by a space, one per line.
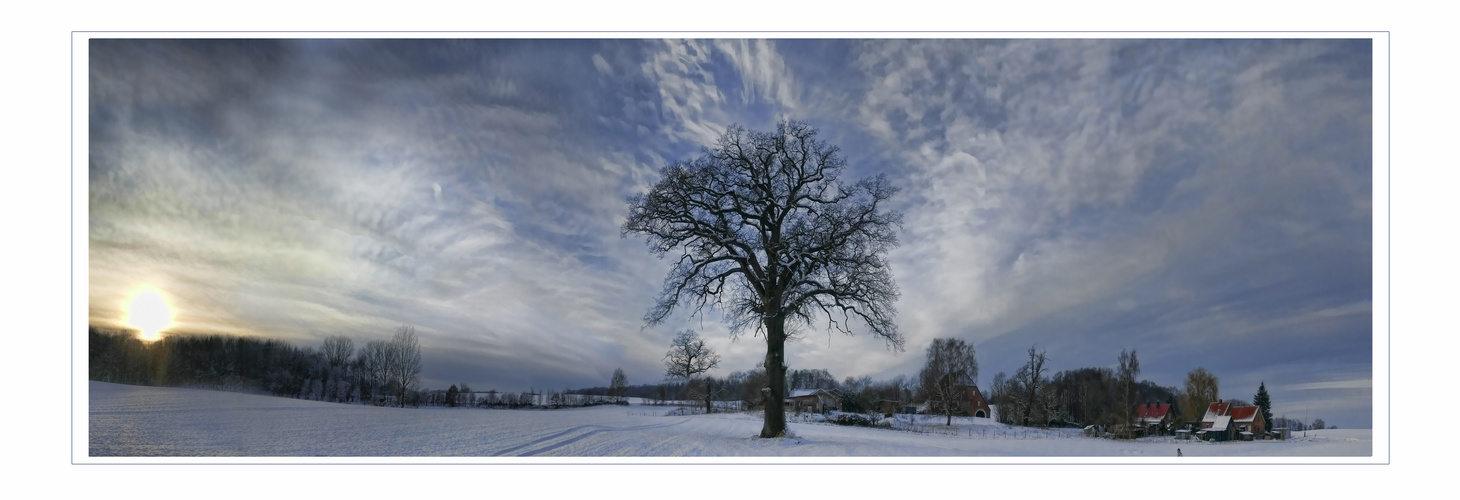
pixel 1248 422
pixel 1224 422
pixel 977 405
pixel 1216 424
pixel 1155 419
pixel 813 400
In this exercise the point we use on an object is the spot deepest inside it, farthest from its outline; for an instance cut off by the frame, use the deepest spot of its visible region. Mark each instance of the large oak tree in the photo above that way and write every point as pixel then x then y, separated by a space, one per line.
pixel 764 230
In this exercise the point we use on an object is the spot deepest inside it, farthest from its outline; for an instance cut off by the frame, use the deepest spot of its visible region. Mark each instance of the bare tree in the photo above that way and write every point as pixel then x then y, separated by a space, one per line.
pixel 950 368
pixel 403 362
pixel 337 350
pixel 1031 380
pixel 689 356
pixel 767 233
pixel 372 369
pixel 618 385
pixel 1128 369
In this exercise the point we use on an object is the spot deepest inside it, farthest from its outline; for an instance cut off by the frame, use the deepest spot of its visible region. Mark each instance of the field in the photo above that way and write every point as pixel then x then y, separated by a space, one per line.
pixel 133 421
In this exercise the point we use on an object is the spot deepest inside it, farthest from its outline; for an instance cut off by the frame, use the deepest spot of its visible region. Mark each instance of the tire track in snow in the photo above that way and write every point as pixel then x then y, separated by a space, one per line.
pixel 590 430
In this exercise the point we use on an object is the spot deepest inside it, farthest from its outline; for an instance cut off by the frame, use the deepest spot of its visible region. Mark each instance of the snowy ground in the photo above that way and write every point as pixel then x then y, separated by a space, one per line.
pixel 132 421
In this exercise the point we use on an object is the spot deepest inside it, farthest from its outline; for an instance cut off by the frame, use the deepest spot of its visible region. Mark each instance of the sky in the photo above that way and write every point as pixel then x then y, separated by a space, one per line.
pixel 1207 203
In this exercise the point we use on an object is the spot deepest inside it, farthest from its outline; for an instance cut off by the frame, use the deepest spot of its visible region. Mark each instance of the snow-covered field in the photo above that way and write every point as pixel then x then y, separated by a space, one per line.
pixel 132 421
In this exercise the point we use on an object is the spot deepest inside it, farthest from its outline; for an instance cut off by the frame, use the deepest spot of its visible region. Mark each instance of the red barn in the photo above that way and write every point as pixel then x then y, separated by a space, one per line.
pixel 977 405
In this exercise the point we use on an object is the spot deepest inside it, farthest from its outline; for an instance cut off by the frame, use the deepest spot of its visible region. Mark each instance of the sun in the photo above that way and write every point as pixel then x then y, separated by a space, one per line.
pixel 149 312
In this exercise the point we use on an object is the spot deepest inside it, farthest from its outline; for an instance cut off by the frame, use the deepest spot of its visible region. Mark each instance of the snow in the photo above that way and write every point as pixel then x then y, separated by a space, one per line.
pixel 173 425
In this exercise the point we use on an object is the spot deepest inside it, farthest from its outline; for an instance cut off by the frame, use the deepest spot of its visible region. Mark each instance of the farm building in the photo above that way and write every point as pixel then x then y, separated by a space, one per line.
pixel 1216 425
pixel 1155 419
pixel 1248 422
pixel 977 405
pixel 1224 422
pixel 813 400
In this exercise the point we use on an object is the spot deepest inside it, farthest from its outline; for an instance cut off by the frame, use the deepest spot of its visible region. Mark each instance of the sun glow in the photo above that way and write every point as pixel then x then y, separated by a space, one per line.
pixel 148 311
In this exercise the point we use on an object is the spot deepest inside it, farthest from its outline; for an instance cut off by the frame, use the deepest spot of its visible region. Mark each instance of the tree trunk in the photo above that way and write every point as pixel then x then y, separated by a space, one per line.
pixel 775 369
pixel 709 397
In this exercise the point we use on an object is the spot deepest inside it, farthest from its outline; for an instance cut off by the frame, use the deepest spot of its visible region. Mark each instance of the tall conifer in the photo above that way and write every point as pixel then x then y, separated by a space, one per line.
pixel 1263 402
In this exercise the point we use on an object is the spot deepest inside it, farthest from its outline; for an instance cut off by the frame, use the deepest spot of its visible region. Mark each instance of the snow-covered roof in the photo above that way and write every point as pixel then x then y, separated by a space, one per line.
pixel 1216 410
pixel 801 393
pixel 1150 414
pixel 1245 414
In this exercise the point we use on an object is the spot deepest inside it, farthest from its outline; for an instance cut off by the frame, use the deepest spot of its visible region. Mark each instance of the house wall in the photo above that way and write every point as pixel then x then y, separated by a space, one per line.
pixel 977 404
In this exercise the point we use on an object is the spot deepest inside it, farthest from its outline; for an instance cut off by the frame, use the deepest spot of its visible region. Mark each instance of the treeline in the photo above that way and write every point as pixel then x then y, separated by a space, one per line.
pixel 1076 398
pixel 461 395
pixel 1109 398
pixel 744 389
pixel 1298 425
pixel 381 372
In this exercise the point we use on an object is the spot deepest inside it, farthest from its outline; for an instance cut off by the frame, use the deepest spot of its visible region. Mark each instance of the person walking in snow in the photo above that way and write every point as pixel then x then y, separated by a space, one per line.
pixel 1178 452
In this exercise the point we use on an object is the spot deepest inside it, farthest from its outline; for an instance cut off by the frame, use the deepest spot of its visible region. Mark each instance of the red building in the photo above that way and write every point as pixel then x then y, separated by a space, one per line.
pixel 1224 422
pixel 977 405
pixel 1155 418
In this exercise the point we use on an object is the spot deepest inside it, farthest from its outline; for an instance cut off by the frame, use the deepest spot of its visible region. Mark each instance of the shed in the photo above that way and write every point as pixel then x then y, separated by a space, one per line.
pixel 815 400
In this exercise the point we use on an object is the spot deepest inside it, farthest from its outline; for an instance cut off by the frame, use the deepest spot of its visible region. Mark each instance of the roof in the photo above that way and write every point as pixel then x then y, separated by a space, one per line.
pixel 1215 410
pixel 1153 413
pixel 806 393
pixel 1245 413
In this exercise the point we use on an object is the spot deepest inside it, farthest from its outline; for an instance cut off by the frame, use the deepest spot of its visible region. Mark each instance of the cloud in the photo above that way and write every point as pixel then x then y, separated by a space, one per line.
pixel 602 65
pixel 762 72
pixel 687 91
pixel 1337 384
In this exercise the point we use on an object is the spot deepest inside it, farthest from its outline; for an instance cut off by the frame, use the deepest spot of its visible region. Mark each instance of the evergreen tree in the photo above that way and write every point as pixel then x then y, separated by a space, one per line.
pixel 1263 402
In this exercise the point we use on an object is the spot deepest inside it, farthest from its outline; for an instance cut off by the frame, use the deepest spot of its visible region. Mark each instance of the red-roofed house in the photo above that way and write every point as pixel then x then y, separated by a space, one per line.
pixel 1155 418
pixel 1224 422
pixel 1216 425
pixel 1248 422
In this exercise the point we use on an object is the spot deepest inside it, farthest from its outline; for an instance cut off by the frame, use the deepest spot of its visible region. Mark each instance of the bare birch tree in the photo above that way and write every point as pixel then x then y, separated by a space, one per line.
pixel 950 368
pixel 618 385
pixel 403 362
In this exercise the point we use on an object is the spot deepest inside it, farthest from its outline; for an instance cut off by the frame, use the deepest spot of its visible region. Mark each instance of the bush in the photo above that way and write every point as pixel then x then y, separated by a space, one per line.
pixel 854 420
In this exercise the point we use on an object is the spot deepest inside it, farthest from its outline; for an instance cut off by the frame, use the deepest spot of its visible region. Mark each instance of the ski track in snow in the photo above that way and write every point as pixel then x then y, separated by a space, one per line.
pixel 136 421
